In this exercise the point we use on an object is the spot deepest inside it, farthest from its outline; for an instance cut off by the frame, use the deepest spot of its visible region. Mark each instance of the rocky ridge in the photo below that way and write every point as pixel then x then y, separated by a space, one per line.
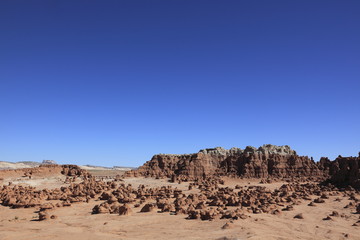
pixel 267 161
pixel 343 171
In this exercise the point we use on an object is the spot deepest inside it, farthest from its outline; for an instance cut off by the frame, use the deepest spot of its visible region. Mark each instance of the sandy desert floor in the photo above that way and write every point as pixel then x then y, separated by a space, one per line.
pixel 77 222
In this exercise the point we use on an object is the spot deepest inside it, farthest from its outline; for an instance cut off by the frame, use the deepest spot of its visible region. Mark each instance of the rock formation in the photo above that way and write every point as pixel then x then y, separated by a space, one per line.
pixel 263 162
pixel 343 171
pixel 48 162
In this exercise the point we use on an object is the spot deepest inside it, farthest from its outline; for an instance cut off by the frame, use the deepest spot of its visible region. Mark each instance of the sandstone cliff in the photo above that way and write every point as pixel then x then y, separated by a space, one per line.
pixel 263 162
pixel 343 171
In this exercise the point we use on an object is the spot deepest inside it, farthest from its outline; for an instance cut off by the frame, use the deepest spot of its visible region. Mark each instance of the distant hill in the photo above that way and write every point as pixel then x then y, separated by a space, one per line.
pixel 92 167
pixel 31 164
pixel 17 165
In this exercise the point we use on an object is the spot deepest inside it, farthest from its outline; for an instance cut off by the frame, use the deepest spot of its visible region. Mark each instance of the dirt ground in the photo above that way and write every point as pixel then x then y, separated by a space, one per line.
pixel 106 173
pixel 77 222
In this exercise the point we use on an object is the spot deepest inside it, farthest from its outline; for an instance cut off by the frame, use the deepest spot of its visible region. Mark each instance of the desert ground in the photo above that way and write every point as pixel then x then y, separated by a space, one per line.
pixel 78 221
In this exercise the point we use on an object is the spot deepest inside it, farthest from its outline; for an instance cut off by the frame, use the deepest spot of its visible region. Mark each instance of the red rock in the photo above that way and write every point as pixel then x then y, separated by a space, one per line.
pixel 43 215
pixel 267 161
pixel 228 225
pixel 343 171
pixel 125 210
pixel 299 216
pixel 148 207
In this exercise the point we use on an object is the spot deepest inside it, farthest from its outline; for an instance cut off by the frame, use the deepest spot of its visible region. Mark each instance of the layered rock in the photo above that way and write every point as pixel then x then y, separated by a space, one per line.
pixel 343 171
pixel 263 162
pixel 48 162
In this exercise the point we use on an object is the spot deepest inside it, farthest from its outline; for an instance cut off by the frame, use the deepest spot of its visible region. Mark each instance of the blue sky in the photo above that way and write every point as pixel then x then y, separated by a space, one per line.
pixel 114 82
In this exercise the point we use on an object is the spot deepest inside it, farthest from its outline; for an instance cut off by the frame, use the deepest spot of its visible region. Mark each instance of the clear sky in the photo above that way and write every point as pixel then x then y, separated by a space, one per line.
pixel 114 82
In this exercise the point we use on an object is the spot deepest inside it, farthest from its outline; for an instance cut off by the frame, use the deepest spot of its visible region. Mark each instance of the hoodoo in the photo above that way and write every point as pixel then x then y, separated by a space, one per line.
pixel 343 171
pixel 263 162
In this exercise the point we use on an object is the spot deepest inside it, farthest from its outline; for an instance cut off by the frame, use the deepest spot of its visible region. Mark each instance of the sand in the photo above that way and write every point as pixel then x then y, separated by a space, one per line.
pixel 77 222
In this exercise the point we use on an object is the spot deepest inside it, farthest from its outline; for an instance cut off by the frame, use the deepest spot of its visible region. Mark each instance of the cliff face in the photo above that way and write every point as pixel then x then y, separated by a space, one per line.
pixel 343 171
pixel 263 162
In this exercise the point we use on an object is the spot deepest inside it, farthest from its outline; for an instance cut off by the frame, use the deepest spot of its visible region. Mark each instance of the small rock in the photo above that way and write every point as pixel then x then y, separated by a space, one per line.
pixel 327 218
pixel 148 207
pixel 299 216
pixel 335 214
pixel 228 225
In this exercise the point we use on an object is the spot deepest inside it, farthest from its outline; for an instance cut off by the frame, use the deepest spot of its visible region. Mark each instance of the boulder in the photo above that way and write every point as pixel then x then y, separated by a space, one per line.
pixel 125 210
